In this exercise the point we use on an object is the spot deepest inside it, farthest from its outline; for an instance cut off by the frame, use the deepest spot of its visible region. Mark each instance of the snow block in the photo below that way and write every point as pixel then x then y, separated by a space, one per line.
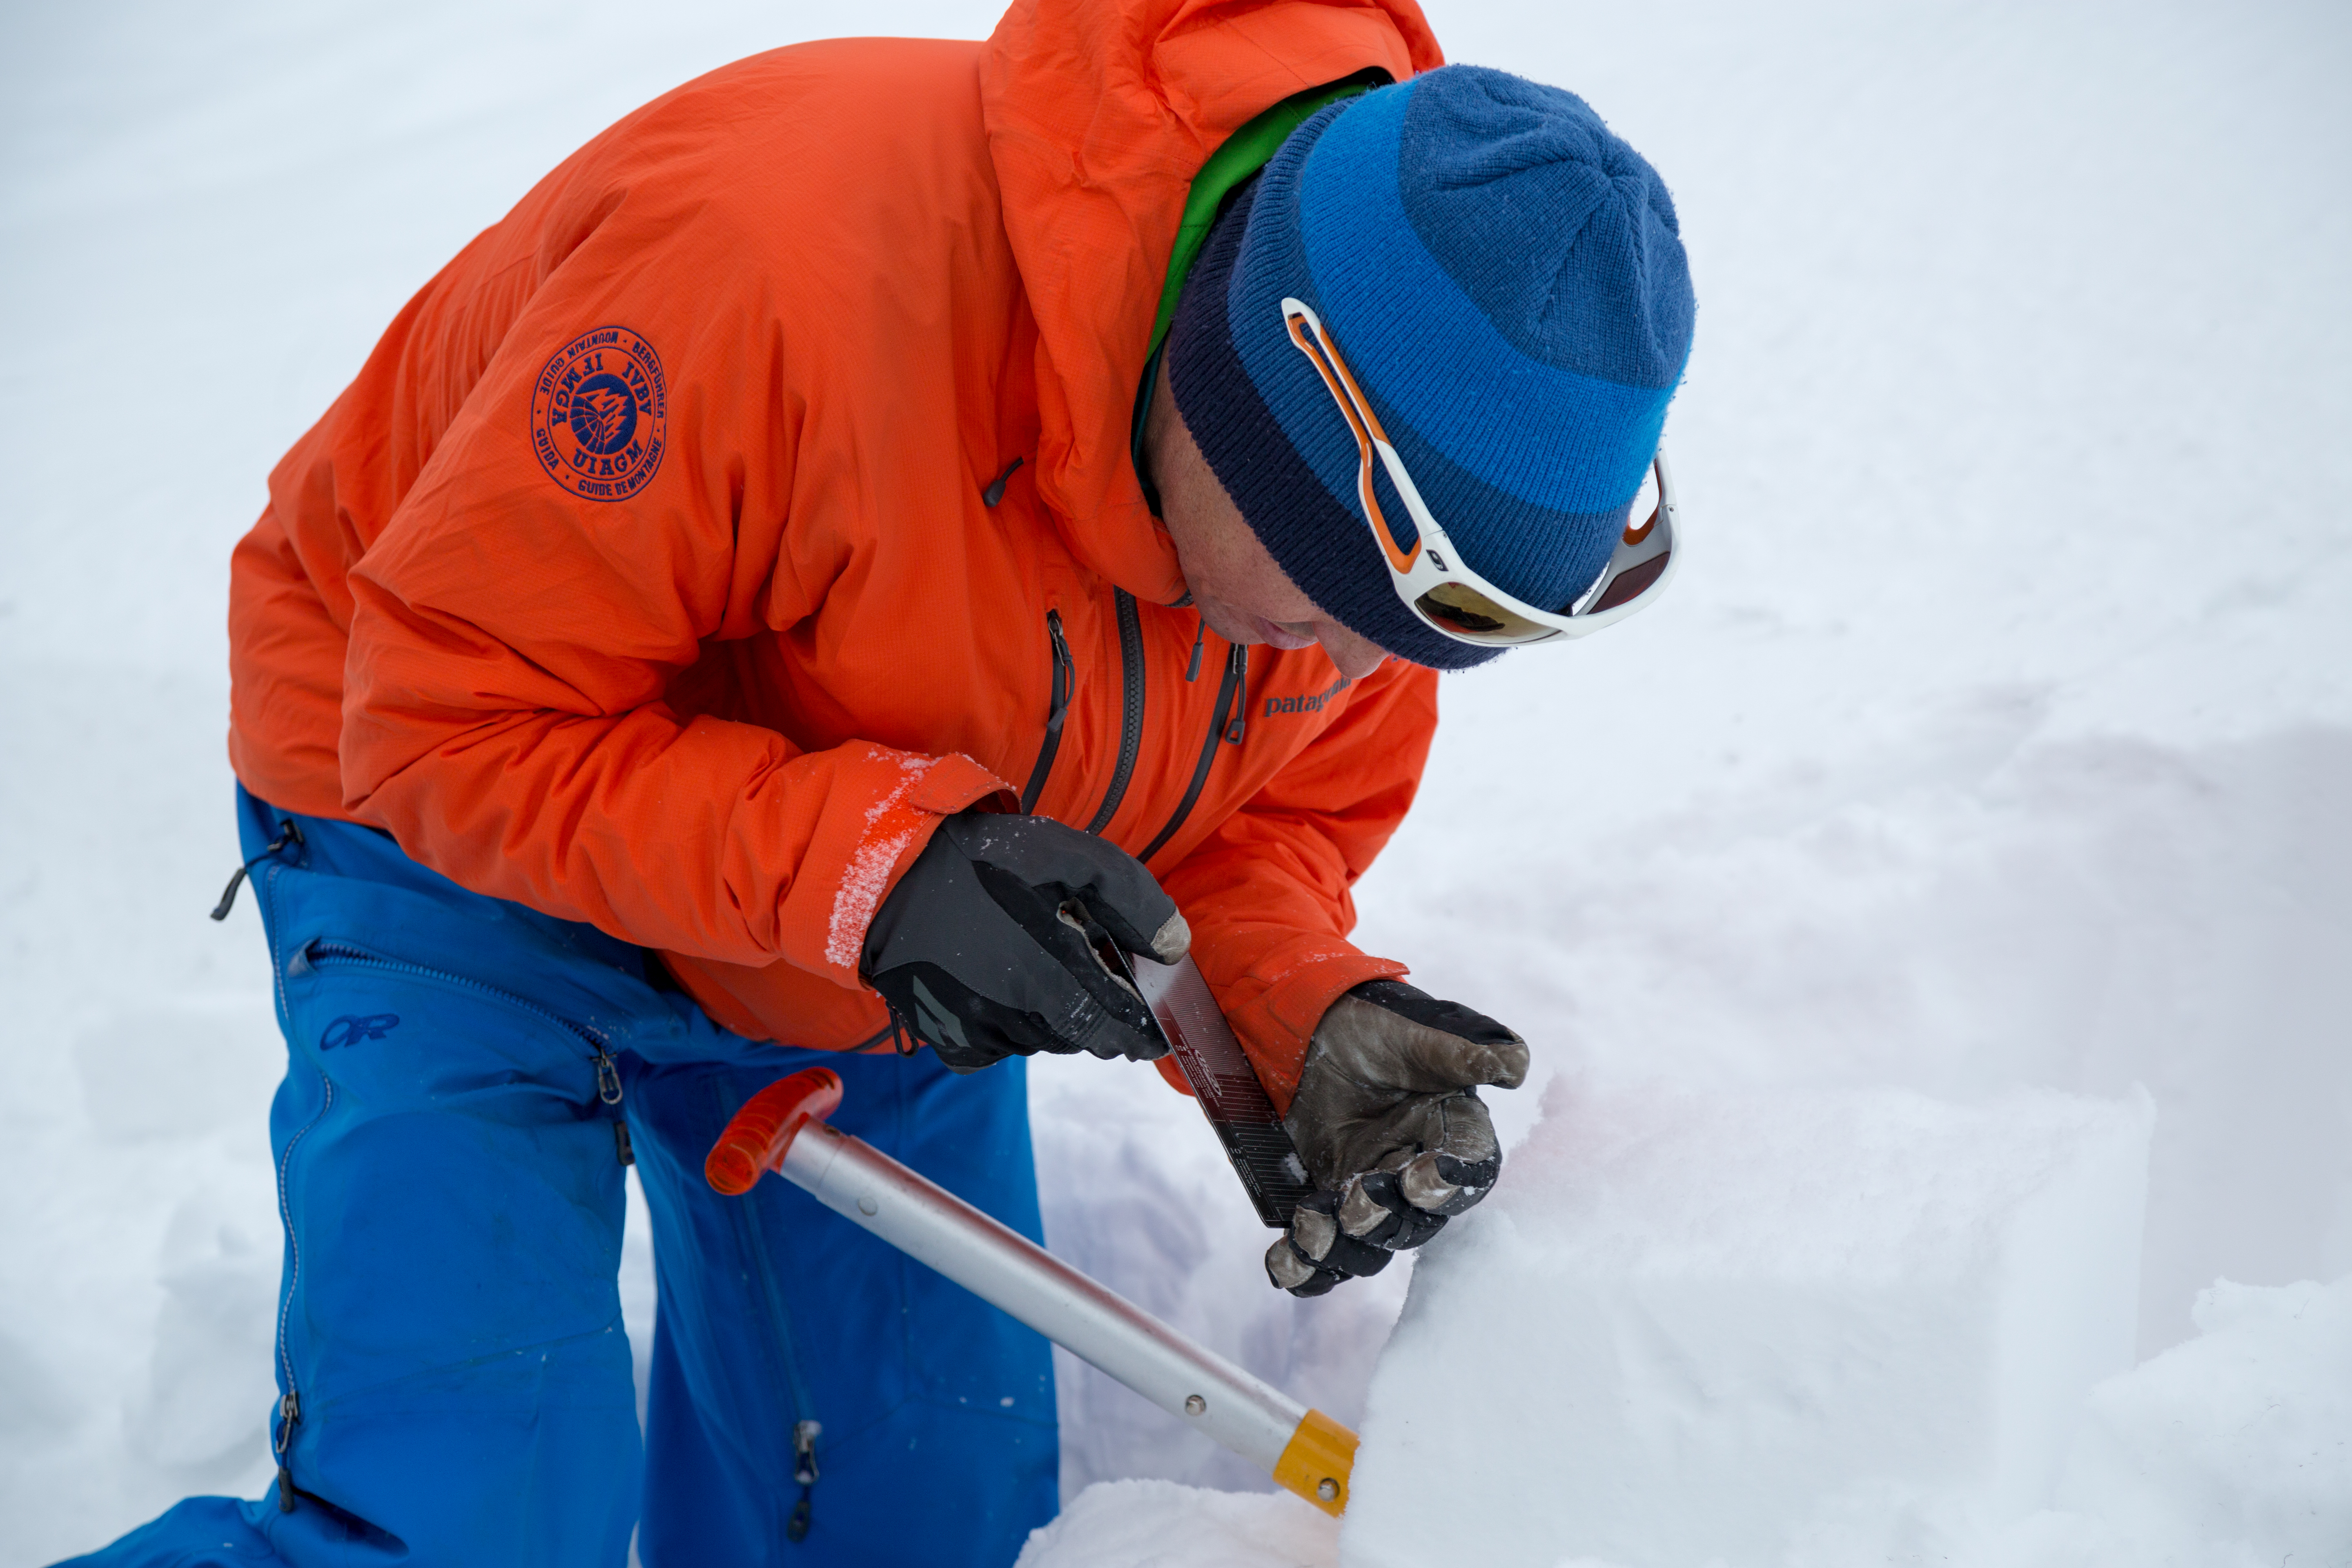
pixel 2234 1447
pixel 1691 1327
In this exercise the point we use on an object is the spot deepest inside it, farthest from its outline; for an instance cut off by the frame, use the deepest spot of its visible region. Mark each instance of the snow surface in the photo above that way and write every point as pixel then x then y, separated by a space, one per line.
pixel 1735 1327
pixel 1128 1523
pixel 2233 1450
pixel 1998 736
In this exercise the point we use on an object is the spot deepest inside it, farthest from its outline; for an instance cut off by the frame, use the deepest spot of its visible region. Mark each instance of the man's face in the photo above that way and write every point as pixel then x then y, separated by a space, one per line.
pixel 1237 585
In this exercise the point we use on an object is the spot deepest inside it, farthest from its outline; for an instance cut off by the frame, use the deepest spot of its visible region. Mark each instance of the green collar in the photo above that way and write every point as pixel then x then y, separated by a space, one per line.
pixel 1242 154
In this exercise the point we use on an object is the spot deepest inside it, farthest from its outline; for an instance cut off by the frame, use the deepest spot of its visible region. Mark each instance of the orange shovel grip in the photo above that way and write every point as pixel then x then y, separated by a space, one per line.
pixel 756 1140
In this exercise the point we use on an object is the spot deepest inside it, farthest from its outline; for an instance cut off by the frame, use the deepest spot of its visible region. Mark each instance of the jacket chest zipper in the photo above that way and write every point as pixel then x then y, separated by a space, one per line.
pixel 1226 725
pixel 1130 732
pixel 1057 711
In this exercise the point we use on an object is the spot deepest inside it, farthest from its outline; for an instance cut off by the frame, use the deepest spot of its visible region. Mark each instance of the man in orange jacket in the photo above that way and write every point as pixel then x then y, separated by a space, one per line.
pixel 755 601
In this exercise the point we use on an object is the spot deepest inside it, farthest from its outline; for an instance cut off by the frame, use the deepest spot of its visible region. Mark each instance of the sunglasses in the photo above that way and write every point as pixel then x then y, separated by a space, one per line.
pixel 1430 575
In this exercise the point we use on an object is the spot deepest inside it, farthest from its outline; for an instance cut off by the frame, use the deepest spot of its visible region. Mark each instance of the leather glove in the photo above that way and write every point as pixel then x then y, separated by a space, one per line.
pixel 1390 1127
pixel 993 942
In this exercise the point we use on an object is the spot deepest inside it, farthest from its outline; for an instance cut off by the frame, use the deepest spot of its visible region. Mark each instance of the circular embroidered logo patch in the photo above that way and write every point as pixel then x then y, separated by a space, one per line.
pixel 600 413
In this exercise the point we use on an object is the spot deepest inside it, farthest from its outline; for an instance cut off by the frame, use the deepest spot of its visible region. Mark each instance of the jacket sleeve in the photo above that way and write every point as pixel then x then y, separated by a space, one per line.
pixel 1268 894
pixel 512 640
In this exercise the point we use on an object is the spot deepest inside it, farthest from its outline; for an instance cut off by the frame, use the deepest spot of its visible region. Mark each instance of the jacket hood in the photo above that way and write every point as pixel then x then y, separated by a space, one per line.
pixel 1098 114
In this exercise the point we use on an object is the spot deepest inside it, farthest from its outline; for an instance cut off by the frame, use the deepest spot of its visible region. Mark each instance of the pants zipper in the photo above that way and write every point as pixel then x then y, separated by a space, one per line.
pixel 1057 710
pixel 806 1428
pixel 289 1403
pixel 608 1092
pixel 805 1436
pixel 1226 724
pixel 1130 732
pixel 290 1412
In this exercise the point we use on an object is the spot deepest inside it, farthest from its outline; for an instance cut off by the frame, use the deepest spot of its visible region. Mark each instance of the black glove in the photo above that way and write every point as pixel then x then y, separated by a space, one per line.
pixel 993 944
pixel 1392 1129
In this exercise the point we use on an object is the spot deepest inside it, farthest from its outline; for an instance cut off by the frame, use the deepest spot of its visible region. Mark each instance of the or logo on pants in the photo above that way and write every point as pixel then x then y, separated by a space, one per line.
pixel 356 1029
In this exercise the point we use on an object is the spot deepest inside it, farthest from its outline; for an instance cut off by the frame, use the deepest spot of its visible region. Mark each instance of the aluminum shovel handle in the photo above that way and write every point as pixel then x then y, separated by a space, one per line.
pixel 781 1129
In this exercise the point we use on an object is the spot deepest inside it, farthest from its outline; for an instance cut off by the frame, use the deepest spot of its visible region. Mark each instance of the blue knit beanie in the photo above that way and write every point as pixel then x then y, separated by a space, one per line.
pixel 1505 278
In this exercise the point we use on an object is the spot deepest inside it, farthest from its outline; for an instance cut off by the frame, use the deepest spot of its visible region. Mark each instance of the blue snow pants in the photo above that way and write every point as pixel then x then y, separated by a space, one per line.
pixel 454 1386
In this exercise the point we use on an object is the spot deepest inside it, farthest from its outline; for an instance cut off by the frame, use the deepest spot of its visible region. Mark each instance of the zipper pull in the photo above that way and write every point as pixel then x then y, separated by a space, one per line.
pixel 903 1039
pixel 805 1436
pixel 608 1090
pixel 995 491
pixel 290 833
pixel 289 1412
pixel 1238 662
pixel 1193 670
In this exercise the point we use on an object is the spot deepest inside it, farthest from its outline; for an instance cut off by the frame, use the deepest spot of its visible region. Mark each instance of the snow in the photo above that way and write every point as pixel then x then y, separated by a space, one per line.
pixel 1125 1524
pixel 1136 1191
pixel 1995 739
pixel 2231 1450
pixel 2234 1447
pixel 870 863
pixel 1715 1327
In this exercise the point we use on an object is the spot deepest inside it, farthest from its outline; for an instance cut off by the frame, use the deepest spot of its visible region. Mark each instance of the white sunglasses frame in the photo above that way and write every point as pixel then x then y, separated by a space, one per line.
pixel 1433 562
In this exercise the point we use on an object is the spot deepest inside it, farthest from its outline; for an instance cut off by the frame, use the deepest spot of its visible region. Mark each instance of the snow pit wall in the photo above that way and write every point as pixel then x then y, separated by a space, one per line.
pixel 1691 1327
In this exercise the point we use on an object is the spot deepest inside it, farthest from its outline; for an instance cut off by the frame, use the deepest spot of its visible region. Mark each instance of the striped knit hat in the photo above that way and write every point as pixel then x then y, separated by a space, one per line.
pixel 1507 280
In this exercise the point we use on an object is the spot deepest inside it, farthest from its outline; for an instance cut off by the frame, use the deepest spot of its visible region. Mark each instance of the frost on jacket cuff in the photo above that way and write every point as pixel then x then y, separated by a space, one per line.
pixel 912 793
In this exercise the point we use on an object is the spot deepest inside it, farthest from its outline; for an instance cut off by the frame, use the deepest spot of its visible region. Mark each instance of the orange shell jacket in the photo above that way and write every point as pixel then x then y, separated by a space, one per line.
pixel 658 569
